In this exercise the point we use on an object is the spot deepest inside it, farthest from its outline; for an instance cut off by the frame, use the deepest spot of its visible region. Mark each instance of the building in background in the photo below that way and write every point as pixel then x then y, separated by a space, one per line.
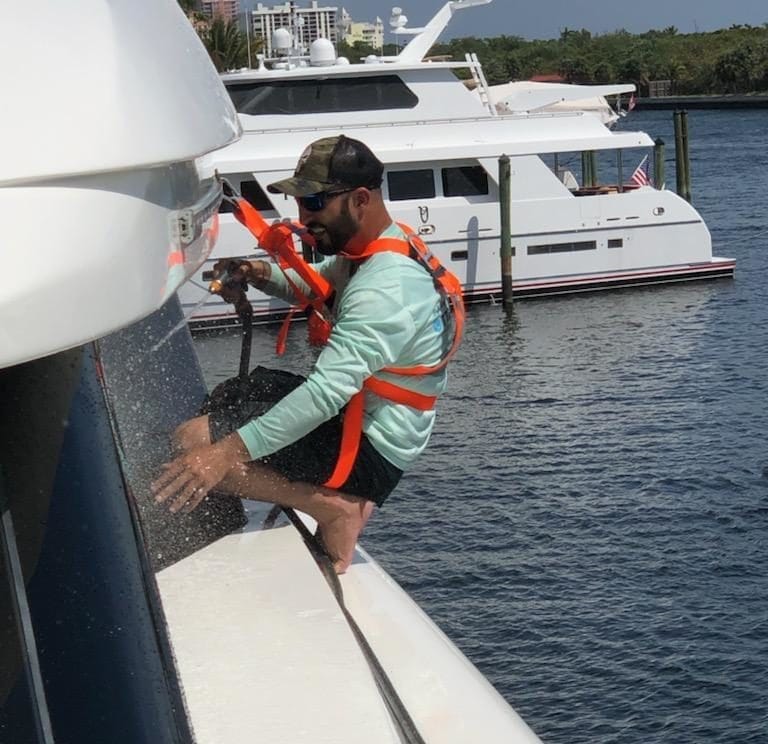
pixel 227 10
pixel 306 24
pixel 371 34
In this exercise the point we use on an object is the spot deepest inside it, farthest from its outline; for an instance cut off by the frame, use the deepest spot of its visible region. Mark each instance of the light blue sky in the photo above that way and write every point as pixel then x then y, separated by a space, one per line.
pixel 543 19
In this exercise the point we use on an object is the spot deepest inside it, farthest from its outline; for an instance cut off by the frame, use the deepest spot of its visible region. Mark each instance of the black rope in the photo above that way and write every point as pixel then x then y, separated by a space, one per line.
pixel 245 311
pixel 23 618
pixel 405 725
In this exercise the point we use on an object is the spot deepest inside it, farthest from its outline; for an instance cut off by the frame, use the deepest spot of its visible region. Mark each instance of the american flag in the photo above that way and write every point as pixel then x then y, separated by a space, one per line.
pixel 640 176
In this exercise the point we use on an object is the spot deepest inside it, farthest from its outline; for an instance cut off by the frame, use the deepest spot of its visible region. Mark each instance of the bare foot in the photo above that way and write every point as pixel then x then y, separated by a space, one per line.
pixel 340 517
pixel 340 533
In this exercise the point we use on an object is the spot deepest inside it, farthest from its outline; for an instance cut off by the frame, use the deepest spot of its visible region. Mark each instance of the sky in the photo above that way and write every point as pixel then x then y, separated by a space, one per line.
pixel 544 19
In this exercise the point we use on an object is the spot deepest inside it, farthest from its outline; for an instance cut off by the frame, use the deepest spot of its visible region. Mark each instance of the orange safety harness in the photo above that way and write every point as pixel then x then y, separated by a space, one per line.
pixel 278 241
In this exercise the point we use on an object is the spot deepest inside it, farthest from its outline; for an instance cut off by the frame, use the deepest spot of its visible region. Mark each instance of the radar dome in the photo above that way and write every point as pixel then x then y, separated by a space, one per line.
pixel 322 53
pixel 282 41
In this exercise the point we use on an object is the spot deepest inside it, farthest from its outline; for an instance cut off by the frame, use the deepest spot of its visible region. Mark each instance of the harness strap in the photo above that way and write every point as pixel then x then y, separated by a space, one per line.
pixel 277 241
pixel 351 431
pixel 397 394
pixel 445 283
pixel 352 426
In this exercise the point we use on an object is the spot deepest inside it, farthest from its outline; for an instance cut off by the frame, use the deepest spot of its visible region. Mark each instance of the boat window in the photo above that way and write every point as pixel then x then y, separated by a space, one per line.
pixel 252 192
pixel 411 184
pixel 467 180
pixel 584 245
pixel 615 242
pixel 321 96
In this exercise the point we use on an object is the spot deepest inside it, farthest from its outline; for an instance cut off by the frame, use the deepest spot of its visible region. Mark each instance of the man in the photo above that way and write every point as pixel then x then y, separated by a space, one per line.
pixel 284 447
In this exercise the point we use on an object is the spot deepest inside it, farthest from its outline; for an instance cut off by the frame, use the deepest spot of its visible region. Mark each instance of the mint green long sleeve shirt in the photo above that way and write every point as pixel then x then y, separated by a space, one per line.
pixel 387 314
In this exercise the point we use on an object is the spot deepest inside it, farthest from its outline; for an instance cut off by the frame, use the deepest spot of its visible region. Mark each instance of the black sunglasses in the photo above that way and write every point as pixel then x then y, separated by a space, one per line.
pixel 317 202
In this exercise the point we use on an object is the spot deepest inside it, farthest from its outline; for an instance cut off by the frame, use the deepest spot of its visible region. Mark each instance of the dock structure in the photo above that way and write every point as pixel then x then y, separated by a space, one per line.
pixel 702 102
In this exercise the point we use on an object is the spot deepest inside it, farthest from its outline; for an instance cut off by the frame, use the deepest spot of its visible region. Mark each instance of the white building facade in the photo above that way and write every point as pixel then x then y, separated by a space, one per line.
pixel 227 10
pixel 305 24
pixel 371 34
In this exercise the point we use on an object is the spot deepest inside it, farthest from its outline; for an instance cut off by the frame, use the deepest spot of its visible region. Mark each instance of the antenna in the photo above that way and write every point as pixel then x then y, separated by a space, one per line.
pixel 425 37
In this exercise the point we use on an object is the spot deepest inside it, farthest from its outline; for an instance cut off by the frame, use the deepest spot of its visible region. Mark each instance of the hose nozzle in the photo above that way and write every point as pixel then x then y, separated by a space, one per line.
pixel 216 285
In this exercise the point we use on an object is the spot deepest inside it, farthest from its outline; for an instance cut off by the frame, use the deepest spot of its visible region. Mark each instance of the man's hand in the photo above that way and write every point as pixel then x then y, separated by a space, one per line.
pixel 186 480
pixel 256 273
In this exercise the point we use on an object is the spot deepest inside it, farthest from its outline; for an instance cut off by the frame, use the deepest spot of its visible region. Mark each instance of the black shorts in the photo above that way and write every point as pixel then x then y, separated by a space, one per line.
pixel 312 458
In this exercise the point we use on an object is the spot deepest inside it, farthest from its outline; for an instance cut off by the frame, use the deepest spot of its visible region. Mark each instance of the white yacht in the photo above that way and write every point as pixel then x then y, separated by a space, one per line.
pixel 120 622
pixel 440 143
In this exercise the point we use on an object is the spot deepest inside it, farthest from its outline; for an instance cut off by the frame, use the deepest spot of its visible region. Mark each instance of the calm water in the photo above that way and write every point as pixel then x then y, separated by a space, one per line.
pixel 590 521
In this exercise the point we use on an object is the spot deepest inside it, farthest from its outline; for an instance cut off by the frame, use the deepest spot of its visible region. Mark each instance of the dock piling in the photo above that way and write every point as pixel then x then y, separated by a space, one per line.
pixel 682 158
pixel 686 156
pixel 658 163
pixel 505 254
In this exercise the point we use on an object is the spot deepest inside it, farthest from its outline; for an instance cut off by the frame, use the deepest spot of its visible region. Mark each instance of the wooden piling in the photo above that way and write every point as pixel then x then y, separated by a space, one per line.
pixel 620 170
pixel 686 156
pixel 658 163
pixel 505 204
pixel 681 155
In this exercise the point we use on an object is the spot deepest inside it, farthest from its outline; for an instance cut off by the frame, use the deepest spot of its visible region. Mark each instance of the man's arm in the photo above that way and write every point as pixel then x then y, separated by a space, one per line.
pixel 265 276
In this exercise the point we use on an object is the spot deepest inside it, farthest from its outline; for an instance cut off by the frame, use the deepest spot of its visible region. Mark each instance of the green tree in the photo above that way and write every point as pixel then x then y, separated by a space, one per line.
pixel 733 70
pixel 227 45
pixel 357 51
pixel 603 72
pixel 696 63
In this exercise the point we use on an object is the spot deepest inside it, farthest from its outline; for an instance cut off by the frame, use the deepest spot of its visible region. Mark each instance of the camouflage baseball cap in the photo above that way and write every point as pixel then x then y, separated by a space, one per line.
pixel 332 164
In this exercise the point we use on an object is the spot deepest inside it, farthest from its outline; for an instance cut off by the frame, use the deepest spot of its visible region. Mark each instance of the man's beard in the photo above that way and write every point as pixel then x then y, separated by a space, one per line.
pixel 334 236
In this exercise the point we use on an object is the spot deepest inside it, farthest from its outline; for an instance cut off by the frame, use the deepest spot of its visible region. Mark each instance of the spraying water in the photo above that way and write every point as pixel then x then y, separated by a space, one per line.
pixel 180 324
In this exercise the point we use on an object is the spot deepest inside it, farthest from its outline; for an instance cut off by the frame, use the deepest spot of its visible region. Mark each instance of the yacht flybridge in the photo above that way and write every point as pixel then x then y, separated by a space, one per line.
pixel 120 622
pixel 440 142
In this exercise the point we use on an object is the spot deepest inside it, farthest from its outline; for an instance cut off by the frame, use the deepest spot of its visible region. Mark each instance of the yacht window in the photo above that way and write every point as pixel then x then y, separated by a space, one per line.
pixel 412 184
pixel 468 180
pixel 252 192
pixel 321 96
pixel 584 245
pixel 615 242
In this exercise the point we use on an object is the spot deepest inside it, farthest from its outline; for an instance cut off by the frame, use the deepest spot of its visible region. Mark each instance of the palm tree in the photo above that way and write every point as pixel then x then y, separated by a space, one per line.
pixel 226 44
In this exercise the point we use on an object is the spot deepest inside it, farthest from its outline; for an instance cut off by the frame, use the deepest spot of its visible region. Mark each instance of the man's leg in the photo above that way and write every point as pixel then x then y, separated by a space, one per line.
pixel 339 516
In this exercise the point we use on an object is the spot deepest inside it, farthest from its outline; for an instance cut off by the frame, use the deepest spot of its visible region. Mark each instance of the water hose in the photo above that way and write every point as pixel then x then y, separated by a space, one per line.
pixel 243 308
